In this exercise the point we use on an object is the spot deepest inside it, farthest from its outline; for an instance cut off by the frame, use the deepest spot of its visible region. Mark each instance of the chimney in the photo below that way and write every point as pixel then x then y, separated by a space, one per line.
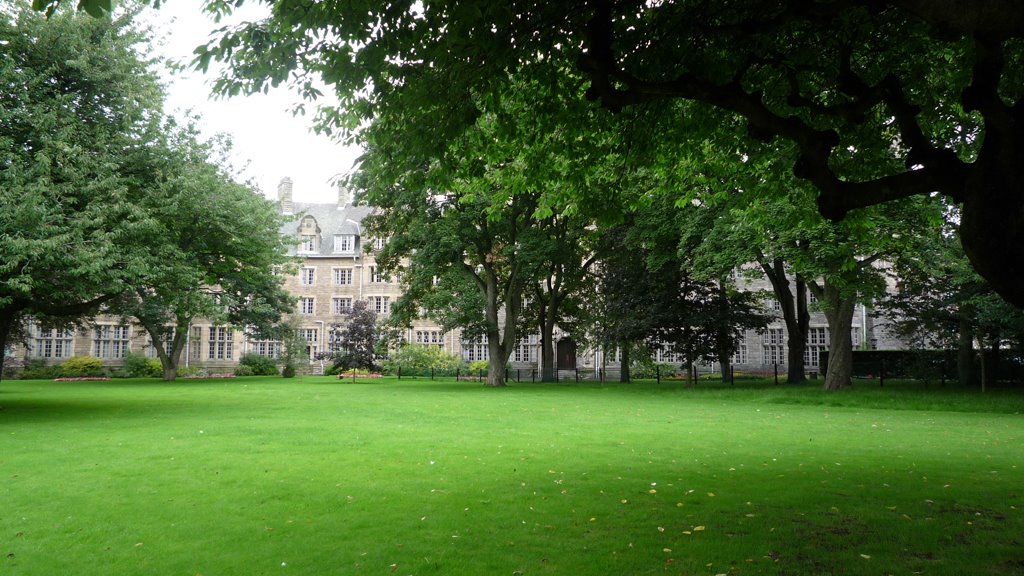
pixel 284 195
pixel 344 195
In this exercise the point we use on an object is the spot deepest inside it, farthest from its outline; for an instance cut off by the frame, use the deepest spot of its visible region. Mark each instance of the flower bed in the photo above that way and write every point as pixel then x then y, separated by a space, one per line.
pixel 208 376
pixel 81 379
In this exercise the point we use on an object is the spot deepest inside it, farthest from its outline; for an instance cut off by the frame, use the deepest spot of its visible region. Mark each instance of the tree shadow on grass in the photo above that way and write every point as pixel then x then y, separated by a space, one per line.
pixel 87 400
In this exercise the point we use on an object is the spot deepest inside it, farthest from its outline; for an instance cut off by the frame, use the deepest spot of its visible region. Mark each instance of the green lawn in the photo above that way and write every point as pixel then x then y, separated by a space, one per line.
pixel 313 477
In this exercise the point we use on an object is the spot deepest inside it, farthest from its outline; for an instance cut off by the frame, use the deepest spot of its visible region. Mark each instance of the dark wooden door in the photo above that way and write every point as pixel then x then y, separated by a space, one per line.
pixel 566 354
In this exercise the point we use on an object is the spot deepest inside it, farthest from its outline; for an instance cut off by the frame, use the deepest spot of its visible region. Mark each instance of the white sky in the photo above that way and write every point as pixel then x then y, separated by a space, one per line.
pixel 268 141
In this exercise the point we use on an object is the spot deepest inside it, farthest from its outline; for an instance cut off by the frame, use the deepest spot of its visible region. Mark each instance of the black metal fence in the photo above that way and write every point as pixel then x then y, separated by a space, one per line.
pixel 938 366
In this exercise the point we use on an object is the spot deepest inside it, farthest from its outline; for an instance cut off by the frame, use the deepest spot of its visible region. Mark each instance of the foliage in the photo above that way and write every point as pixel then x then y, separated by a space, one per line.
pixel 217 241
pixel 419 359
pixel 645 368
pixel 82 366
pixel 294 348
pixel 896 100
pixel 76 102
pixel 138 366
pixel 260 365
pixel 40 369
pixel 244 370
pixel 479 367
pixel 649 294
pixel 355 338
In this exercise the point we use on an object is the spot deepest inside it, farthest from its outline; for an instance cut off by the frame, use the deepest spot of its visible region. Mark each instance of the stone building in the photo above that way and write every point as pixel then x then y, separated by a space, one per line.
pixel 336 270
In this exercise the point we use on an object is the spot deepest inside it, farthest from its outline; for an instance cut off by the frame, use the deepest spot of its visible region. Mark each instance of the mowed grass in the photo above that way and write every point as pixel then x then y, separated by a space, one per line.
pixel 312 476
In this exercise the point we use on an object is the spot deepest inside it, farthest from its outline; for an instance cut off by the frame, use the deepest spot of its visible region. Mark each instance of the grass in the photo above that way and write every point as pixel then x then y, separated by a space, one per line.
pixel 311 476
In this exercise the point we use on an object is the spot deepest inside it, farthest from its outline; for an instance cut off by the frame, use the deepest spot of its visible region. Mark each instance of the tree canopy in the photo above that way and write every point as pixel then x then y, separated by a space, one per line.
pixel 214 246
pixel 881 100
pixel 104 200
pixel 74 99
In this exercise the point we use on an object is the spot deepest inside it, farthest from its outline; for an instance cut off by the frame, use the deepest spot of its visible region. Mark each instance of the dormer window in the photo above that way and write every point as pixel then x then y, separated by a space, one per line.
pixel 309 236
pixel 307 244
pixel 344 243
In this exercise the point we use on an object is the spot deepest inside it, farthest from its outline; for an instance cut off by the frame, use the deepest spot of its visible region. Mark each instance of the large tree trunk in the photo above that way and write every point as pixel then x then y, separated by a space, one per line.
pixel 501 338
pixel 839 314
pixel 992 217
pixel 547 343
pixel 158 334
pixel 794 314
pixel 496 369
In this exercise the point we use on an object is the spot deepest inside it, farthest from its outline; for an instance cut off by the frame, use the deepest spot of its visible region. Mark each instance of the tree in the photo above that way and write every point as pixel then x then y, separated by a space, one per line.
pixel 925 94
pixel 214 245
pixel 465 224
pixel 649 293
pixel 355 340
pixel 75 100
pixel 942 303
pixel 566 255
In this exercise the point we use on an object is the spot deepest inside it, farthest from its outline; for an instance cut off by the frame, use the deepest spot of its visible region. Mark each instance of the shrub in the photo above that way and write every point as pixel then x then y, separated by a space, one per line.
pixel 414 359
pixel 82 366
pixel 244 370
pixel 479 367
pixel 38 369
pixel 289 371
pixel 138 366
pixel 260 365
pixel 648 369
pixel 185 371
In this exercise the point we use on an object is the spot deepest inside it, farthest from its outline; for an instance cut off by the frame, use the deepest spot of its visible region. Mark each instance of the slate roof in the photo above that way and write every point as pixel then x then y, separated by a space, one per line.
pixel 331 219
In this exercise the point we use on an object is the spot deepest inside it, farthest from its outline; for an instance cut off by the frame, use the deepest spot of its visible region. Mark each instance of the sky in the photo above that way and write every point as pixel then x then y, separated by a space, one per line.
pixel 269 141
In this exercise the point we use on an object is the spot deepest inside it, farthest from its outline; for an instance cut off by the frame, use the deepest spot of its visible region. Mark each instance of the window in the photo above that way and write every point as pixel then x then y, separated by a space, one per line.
pixel 342 276
pixel 664 353
pixel 376 276
pixel 341 305
pixel 307 243
pixel 306 305
pixel 311 336
pixel 268 348
pixel 378 243
pixel 221 343
pixel 110 341
pixel 344 243
pixel 430 337
pixel 308 276
pixel 817 342
pixel 381 304
pixel 196 343
pixel 475 349
pixel 773 343
pixel 50 343
pixel 526 349
pixel 740 356
pixel 776 306
pixel 811 298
